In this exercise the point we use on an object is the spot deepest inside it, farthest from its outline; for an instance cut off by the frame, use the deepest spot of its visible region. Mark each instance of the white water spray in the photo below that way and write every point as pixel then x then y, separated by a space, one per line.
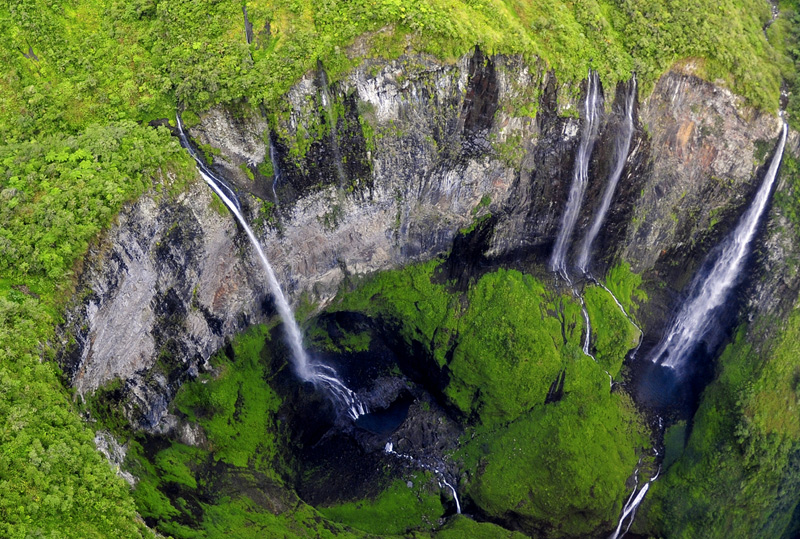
pixel 315 373
pixel 623 144
pixel 389 449
pixel 694 319
pixel 580 174
pixel 629 509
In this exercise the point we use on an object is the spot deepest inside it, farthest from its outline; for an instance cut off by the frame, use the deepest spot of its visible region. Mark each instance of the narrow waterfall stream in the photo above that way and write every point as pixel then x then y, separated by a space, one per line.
pixel 580 175
pixel 710 289
pixel 629 509
pixel 622 146
pixel 587 338
pixel 436 468
pixel 318 374
pixel 276 170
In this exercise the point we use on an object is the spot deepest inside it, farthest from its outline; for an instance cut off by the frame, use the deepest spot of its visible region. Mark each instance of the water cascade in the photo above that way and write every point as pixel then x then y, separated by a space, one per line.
pixel 622 145
pixel 710 290
pixel 435 468
pixel 587 337
pixel 622 310
pixel 580 174
pixel 321 375
pixel 629 509
pixel 276 170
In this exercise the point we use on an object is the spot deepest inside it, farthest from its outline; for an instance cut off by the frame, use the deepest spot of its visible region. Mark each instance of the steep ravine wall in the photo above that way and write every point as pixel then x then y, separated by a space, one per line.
pixel 422 144
pixel 168 283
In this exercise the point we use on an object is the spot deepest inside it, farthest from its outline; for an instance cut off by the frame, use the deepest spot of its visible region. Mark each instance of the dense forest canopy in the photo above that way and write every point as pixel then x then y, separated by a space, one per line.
pixel 81 79
pixel 71 64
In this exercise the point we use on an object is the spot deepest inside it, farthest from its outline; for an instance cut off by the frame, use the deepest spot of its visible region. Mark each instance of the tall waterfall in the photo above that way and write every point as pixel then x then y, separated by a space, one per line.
pixel 710 291
pixel 312 372
pixel 622 145
pixel 580 173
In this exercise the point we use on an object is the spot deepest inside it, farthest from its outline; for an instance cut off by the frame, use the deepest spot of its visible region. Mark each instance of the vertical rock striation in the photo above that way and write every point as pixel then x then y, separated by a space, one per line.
pixel 427 150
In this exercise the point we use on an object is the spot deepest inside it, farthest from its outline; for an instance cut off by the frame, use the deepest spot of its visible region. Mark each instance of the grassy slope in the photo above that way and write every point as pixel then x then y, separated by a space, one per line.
pixel 396 511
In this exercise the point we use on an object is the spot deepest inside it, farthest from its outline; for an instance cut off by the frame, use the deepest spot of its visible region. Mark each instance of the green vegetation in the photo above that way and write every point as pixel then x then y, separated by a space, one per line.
pixel 71 64
pixel 410 296
pixel 502 359
pixel 788 200
pixel 344 343
pixel 734 476
pixel 784 34
pixel 230 482
pixel 103 405
pixel 219 486
pixel 625 284
pixel 235 405
pixel 82 77
pixel 613 335
pixel 58 193
pixel 397 510
pixel 510 346
pixel 561 466
pixel 461 526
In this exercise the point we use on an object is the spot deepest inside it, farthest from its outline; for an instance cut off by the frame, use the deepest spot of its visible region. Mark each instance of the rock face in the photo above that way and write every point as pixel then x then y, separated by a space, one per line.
pixel 384 168
pixel 159 296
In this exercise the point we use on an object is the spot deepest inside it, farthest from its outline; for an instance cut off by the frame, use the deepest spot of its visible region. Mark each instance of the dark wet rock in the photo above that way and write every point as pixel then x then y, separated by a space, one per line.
pixel 421 146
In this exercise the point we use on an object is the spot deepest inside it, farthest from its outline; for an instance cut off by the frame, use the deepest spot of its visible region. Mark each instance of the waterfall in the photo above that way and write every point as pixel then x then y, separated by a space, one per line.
pixel 629 509
pixel 389 449
pixel 587 337
pixel 276 171
pixel 710 291
pixel 580 174
pixel 622 145
pixel 248 28
pixel 311 372
pixel 455 495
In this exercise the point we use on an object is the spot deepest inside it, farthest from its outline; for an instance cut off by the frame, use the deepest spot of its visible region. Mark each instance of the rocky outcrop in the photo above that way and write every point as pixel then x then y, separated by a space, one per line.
pixel 386 167
pixel 160 294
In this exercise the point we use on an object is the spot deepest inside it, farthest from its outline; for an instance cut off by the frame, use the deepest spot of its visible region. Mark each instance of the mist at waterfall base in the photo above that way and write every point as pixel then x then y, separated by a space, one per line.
pixel 681 363
pixel 319 374
pixel 676 392
pixel 335 429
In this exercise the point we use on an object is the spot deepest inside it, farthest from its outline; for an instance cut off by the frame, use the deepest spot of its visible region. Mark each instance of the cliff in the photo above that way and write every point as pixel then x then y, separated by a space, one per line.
pixel 396 163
